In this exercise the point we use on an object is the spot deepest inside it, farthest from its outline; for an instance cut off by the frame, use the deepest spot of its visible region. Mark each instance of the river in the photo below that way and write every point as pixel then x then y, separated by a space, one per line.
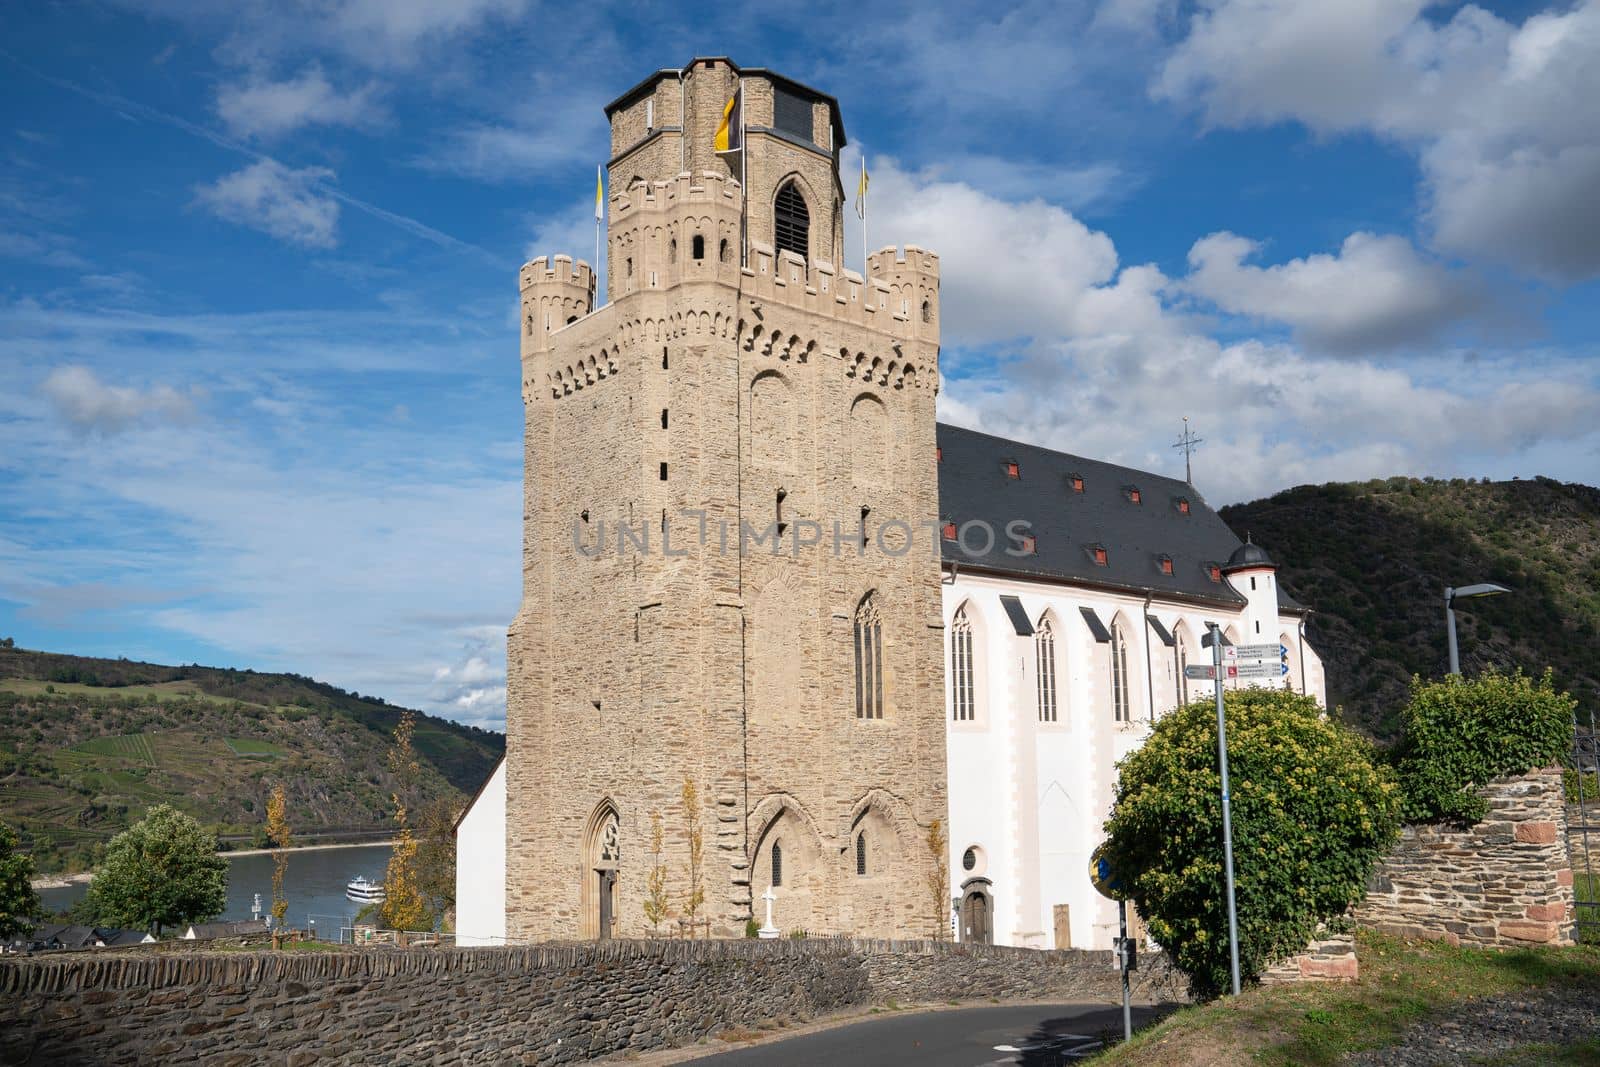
pixel 314 885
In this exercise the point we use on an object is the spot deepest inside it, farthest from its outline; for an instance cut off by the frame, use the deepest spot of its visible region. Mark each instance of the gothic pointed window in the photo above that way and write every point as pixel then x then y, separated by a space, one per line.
pixel 869 660
pixel 961 680
pixel 791 221
pixel 1121 705
pixel 1180 662
pixel 777 864
pixel 1044 649
pixel 861 853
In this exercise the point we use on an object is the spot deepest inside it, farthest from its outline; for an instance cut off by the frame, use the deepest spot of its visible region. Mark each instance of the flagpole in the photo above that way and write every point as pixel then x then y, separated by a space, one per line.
pixel 863 216
pixel 598 211
pixel 744 184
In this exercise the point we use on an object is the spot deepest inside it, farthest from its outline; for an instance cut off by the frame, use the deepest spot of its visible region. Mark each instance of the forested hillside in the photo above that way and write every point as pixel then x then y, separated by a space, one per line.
pixel 86 745
pixel 1373 560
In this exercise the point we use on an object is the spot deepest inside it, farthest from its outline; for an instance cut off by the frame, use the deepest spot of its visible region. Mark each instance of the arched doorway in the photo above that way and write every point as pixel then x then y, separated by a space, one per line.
pixel 603 856
pixel 977 913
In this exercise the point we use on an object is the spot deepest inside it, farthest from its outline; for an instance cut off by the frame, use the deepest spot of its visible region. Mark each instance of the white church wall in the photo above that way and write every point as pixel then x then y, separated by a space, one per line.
pixel 1031 796
pixel 481 866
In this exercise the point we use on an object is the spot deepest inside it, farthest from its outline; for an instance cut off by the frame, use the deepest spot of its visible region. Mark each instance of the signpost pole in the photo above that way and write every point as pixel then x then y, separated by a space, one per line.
pixel 1122 965
pixel 1227 817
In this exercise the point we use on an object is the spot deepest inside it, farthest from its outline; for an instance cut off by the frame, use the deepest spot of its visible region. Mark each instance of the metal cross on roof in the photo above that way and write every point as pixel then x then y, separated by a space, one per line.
pixel 1188 442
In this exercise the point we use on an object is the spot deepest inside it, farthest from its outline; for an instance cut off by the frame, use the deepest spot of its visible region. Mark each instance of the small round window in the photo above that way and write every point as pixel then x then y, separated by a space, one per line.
pixel 969 859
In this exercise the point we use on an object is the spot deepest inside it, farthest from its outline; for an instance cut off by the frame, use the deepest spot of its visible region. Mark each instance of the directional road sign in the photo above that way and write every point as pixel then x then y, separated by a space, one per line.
pixel 1271 651
pixel 1257 670
pixel 1204 672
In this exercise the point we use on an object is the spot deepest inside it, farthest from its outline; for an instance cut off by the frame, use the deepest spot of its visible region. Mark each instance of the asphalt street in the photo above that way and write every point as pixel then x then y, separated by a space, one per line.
pixel 1039 1035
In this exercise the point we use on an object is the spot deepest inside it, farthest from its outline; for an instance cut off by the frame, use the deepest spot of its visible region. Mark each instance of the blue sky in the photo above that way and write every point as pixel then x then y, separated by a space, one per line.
pixel 258 377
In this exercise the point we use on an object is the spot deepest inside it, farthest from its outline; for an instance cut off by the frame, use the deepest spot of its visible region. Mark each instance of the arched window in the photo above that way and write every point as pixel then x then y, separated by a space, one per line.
pixel 927 311
pixel 672 251
pixel 1044 648
pixel 699 247
pixel 861 853
pixel 777 864
pixel 791 221
pixel 961 680
pixel 869 660
pixel 1121 705
pixel 1180 661
pixel 722 250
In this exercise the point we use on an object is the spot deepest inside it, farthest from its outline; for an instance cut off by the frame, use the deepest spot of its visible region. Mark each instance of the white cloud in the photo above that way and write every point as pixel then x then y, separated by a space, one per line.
pixel 1502 116
pixel 286 203
pixel 91 405
pixel 1378 292
pixel 1111 363
pixel 1022 268
pixel 399 32
pixel 264 108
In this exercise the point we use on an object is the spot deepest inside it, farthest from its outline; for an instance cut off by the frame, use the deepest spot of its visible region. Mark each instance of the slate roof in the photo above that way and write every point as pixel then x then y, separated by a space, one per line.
pixel 239 928
pixel 1068 525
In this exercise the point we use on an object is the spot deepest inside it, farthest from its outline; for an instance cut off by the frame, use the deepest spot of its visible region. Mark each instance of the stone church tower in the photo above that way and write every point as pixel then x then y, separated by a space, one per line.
pixel 739 384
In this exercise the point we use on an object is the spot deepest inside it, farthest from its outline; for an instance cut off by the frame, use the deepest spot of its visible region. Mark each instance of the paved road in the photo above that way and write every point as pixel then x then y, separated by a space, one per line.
pixel 1040 1035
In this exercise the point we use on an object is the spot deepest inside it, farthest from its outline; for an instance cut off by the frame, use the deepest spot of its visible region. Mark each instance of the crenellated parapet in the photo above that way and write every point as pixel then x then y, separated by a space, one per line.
pixel 667 233
pixel 554 293
pixel 913 281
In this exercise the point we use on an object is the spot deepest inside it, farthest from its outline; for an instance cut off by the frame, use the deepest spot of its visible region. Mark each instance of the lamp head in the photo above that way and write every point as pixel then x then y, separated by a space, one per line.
pixel 1481 589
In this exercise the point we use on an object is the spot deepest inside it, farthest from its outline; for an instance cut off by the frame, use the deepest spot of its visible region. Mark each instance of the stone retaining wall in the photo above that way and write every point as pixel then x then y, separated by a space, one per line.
pixel 1505 881
pixel 1328 958
pixel 545 1004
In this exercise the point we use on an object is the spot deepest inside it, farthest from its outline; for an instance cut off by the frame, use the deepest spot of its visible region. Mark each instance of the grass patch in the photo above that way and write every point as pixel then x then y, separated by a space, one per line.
pixel 1401 983
pixel 160 691
pixel 123 746
pixel 248 746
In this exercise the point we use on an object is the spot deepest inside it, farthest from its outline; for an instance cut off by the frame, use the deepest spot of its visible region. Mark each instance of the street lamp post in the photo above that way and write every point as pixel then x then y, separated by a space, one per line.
pixel 1466 592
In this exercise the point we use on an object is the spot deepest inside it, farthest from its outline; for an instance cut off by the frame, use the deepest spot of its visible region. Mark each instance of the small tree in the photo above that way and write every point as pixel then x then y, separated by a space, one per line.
pixel 939 878
pixel 696 895
pixel 436 855
pixel 655 901
pixel 404 907
pixel 278 831
pixel 162 871
pixel 19 904
pixel 1461 733
pixel 1312 813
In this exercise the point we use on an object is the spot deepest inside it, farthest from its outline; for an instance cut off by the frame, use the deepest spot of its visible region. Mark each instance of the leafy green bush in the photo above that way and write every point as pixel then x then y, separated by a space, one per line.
pixel 1313 811
pixel 1460 733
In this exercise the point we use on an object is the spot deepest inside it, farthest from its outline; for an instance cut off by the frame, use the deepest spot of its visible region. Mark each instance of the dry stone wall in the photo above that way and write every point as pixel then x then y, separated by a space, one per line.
pixel 549 1004
pixel 1505 881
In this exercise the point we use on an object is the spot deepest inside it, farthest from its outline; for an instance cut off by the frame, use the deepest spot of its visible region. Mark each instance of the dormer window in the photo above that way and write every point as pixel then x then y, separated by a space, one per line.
pixel 1076 481
pixel 1165 563
pixel 1133 494
pixel 948 530
pixel 938 453
pixel 1214 572
pixel 1099 554
pixel 1030 545
pixel 1182 504
pixel 1013 470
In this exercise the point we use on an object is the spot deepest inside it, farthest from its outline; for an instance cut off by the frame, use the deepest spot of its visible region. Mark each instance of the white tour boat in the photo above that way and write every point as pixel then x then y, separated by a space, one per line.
pixel 364 891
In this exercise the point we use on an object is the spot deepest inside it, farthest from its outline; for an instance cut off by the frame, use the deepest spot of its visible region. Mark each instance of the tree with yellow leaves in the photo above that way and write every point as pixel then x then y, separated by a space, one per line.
pixel 404 907
pixel 655 901
pixel 939 878
pixel 696 837
pixel 279 832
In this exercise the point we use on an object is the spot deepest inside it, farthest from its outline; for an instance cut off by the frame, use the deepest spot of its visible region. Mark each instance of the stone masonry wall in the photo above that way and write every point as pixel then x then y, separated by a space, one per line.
pixel 1505 881
pixel 551 1004
pixel 1329 957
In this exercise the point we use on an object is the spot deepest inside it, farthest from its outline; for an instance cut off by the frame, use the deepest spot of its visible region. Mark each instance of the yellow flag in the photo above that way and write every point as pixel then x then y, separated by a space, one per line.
pixel 730 133
pixel 599 194
pixel 861 190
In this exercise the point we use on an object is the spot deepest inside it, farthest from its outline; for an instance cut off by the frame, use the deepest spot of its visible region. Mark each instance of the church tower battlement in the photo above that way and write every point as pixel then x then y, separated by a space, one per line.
pixel 729 573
